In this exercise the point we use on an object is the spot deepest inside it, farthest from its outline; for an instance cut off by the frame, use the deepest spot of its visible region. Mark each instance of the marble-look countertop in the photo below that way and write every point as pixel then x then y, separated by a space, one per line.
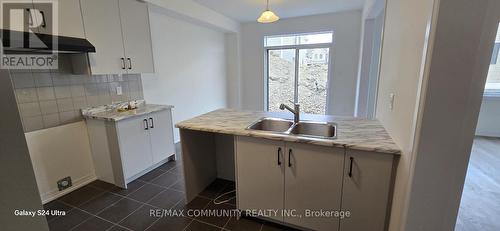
pixel 112 114
pixel 353 133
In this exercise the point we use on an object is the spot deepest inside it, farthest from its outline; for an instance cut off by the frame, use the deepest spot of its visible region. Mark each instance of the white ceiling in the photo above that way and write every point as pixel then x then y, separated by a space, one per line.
pixel 249 10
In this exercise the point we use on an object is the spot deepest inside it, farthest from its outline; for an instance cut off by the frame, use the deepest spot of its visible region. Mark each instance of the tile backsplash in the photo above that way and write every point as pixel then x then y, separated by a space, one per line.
pixel 48 99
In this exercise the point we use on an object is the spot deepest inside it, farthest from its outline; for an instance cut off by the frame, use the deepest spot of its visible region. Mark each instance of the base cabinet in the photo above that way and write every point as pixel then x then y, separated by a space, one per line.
pixel 161 135
pixel 366 191
pixel 309 184
pixel 127 149
pixel 134 145
pixel 260 169
pixel 313 184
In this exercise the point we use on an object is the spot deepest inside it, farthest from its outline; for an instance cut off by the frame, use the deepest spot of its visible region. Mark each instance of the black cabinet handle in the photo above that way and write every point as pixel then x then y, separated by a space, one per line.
pixel 152 122
pixel 129 63
pixel 44 24
pixel 123 63
pixel 279 153
pixel 290 158
pixel 30 21
pixel 350 166
pixel 146 125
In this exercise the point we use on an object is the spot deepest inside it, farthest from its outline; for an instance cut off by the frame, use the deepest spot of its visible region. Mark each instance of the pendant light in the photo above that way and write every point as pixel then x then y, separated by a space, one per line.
pixel 268 16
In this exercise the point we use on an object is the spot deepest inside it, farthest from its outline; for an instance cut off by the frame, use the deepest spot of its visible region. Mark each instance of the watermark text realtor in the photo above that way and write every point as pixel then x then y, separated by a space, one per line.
pixel 26 35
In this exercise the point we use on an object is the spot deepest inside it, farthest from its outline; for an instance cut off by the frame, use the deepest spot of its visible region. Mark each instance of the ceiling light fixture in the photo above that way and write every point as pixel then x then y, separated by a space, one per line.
pixel 268 16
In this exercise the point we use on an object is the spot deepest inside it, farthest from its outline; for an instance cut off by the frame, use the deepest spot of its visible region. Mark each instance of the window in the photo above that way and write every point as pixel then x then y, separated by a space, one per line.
pixel 492 87
pixel 297 70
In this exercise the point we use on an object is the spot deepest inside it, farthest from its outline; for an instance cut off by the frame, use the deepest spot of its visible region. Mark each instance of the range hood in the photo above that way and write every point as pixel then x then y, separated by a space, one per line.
pixel 16 42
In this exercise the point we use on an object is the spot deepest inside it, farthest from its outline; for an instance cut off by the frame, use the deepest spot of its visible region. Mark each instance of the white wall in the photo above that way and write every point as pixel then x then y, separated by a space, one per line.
pixel 60 152
pixel 347 29
pixel 369 66
pixel 18 189
pixel 190 67
pixel 462 35
pixel 489 123
pixel 233 70
pixel 403 49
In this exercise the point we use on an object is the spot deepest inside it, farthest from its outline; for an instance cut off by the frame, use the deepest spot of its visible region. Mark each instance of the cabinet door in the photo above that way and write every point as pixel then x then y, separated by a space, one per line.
pixel 68 18
pixel 366 190
pixel 136 36
pixel 101 19
pixel 260 175
pixel 135 146
pixel 161 131
pixel 313 182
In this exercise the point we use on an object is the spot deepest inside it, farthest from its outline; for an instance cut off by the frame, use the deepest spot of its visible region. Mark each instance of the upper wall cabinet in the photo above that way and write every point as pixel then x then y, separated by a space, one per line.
pixel 68 21
pixel 136 36
pixel 119 29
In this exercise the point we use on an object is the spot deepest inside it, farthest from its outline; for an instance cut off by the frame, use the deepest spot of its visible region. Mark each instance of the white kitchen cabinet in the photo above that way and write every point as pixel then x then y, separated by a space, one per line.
pixel 260 175
pixel 313 182
pixel 101 20
pixel 313 178
pixel 135 145
pixel 120 32
pixel 366 190
pixel 161 133
pixel 136 36
pixel 127 149
pixel 68 18
pixel 285 176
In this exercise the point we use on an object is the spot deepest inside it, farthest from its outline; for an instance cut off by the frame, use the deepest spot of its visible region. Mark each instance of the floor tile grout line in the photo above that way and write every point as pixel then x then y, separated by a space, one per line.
pixel 156 169
pixel 173 206
pixel 193 219
pixel 74 207
pixel 57 217
pixel 131 214
pixel 227 222
pixel 161 186
pixel 142 205
pixel 146 203
pixel 206 223
pixel 190 222
pixel 92 215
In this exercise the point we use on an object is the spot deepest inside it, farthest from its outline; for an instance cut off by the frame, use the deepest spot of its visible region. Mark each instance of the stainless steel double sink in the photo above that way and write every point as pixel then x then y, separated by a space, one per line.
pixel 320 130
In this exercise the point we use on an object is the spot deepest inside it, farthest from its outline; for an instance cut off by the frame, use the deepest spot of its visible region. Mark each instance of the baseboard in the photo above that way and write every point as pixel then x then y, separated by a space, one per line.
pixel 78 183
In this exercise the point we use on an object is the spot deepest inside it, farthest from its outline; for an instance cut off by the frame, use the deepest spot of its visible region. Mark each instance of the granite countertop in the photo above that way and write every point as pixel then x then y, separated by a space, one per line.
pixel 103 113
pixel 359 134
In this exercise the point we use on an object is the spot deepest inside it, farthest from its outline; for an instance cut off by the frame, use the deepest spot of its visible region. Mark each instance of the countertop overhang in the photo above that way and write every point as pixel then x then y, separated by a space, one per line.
pixel 353 133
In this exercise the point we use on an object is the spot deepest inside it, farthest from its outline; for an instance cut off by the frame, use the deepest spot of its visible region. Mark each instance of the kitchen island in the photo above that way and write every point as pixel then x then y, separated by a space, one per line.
pixel 355 171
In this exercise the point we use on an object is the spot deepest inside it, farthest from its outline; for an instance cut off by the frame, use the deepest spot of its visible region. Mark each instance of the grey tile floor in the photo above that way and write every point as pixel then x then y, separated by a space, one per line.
pixel 102 206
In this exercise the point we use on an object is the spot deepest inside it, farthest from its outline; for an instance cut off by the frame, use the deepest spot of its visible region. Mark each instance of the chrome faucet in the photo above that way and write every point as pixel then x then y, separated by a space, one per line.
pixel 295 111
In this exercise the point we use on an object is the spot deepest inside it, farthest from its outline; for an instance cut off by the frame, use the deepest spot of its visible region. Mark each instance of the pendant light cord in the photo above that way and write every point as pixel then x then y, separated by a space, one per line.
pixel 267 5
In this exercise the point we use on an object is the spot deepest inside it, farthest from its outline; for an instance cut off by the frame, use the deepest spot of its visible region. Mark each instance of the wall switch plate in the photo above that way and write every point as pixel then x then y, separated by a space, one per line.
pixel 391 101
pixel 64 183
pixel 119 91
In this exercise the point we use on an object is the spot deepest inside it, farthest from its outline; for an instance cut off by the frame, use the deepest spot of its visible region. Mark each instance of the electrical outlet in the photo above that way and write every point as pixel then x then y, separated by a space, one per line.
pixel 391 101
pixel 119 91
pixel 64 183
